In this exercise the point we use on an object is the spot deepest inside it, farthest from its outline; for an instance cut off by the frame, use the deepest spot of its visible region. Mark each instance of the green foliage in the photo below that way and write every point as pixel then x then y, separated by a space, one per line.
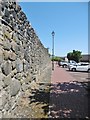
pixel 56 58
pixel 75 55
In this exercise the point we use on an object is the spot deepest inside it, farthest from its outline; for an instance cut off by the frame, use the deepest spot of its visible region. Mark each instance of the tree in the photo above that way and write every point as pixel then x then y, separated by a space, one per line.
pixel 75 55
pixel 56 58
pixel 69 56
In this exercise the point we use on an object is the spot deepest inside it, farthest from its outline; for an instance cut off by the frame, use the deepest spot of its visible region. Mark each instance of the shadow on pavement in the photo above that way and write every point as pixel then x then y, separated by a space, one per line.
pixel 63 100
pixel 69 100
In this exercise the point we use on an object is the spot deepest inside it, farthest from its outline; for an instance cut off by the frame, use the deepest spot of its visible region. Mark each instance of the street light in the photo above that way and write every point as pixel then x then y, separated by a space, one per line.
pixel 53 33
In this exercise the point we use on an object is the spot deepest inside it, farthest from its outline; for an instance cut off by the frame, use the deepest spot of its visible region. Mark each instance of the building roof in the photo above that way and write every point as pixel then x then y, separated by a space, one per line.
pixel 85 57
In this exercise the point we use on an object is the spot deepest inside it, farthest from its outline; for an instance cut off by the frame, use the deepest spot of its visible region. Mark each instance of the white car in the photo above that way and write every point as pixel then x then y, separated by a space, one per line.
pixel 63 64
pixel 72 62
pixel 66 64
pixel 80 67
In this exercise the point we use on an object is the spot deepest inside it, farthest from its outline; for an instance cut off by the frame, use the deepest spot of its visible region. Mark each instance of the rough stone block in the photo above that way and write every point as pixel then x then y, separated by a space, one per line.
pixel 27 56
pixel 18 8
pixel 7 106
pixel 14 72
pixel 7 34
pixel 14 87
pixel 25 65
pixel 33 85
pixel 6 45
pixel 24 87
pixel 6 54
pixel 18 76
pixel 0 114
pixel 6 19
pixel 19 65
pixel 1 40
pixel 1 76
pixel 12 56
pixel 14 46
pixel 28 78
pixel 1 82
pixel 7 80
pixel 15 37
pixel 12 5
pixel 13 65
pixel 7 13
pixel 20 54
pixel 7 68
pixel 4 98
pixel 1 56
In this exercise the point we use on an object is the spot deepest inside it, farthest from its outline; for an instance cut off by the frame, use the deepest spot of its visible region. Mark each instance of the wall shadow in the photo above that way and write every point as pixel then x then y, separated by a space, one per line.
pixel 63 101
pixel 69 100
pixel 42 96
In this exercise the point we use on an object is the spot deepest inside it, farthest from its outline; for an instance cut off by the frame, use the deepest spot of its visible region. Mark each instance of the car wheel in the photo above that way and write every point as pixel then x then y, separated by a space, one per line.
pixel 73 69
pixel 69 69
pixel 64 66
pixel 89 70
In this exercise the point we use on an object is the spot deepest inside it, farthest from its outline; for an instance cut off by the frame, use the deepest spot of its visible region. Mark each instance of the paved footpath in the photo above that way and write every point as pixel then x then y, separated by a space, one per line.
pixel 59 75
pixel 68 99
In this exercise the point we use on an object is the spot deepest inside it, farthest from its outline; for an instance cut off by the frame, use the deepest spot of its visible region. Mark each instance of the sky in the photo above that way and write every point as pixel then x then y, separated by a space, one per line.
pixel 69 21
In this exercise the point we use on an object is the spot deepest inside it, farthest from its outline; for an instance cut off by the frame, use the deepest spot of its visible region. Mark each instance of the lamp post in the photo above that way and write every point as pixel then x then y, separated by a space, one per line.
pixel 53 33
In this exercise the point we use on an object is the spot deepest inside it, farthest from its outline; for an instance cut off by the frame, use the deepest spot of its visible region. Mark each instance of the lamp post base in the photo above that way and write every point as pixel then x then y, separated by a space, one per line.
pixel 52 65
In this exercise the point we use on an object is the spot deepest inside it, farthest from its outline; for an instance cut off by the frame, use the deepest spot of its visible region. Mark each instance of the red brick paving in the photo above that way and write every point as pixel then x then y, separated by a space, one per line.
pixel 60 75
pixel 67 99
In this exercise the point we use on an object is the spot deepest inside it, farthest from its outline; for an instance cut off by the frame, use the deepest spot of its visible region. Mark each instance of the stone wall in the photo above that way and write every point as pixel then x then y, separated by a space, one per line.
pixel 24 61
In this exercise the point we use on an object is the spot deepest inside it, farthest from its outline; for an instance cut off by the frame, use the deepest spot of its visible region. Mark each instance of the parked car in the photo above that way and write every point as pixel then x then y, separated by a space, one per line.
pixel 72 62
pixel 80 67
pixel 66 64
pixel 63 64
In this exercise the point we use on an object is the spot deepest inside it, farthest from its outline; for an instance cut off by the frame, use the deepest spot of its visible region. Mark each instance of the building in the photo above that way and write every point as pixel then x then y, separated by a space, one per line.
pixel 85 58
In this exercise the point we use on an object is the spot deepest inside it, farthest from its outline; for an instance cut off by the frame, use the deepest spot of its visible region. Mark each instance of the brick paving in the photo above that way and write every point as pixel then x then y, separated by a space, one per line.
pixel 68 99
pixel 60 75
